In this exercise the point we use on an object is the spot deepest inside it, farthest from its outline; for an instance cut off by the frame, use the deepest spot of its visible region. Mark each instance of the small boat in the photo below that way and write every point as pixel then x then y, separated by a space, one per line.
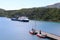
pixel 33 33
pixel 41 35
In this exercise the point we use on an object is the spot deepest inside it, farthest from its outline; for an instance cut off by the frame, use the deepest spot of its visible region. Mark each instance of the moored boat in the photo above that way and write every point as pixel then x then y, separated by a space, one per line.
pixel 31 32
pixel 41 35
pixel 37 33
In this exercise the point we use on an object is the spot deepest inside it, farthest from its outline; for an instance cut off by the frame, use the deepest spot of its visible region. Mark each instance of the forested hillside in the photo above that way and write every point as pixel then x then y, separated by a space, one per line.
pixel 46 14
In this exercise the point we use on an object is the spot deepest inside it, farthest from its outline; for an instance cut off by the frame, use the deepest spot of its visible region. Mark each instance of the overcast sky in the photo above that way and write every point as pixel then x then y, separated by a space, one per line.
pixel 18 4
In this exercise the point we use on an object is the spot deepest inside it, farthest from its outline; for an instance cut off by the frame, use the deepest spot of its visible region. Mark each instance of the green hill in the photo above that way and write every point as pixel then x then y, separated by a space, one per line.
pixel 46 14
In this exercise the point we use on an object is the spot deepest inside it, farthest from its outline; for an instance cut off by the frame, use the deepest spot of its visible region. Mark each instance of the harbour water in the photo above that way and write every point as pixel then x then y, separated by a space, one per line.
pixel 16 30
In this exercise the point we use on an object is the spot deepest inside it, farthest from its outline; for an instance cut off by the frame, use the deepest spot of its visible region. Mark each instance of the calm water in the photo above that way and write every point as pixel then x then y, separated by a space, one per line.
pixel 15 30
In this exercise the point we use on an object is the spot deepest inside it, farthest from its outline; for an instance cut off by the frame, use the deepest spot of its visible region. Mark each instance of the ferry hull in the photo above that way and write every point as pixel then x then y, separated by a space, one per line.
pixel 25 20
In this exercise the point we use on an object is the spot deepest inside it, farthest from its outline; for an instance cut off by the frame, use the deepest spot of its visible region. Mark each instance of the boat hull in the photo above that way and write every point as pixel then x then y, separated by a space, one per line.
pixel 25 20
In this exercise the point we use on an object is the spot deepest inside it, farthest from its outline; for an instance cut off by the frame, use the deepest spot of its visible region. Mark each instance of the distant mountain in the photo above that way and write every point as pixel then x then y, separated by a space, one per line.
pixel 56 5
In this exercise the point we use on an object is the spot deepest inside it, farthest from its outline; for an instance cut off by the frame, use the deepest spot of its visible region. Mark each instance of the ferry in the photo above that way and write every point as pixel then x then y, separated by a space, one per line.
pixel 22 19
